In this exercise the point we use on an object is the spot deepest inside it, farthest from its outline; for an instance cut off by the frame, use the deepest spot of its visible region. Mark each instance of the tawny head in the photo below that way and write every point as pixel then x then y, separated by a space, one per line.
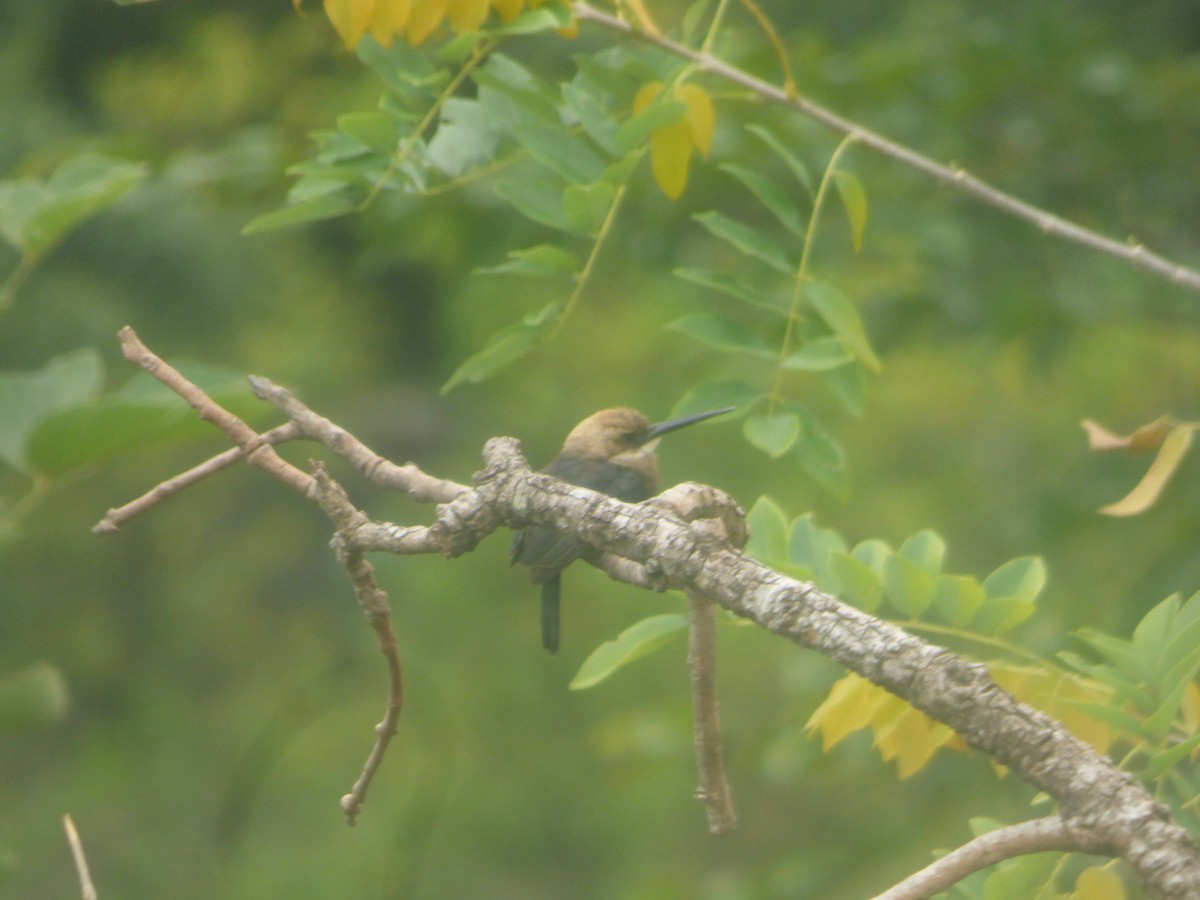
pixel 610 434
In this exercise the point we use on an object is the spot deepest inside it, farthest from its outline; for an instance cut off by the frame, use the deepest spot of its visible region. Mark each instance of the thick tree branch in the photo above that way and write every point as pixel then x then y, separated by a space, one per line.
pixel 1131 252
pixel 1102 810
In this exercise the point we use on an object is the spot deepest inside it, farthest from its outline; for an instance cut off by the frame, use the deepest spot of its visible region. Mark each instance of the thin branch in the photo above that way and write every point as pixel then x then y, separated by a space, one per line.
pixel 713 790
pixel 115 518
pixel 1135 254
pixel 87 889
pixel 1037 836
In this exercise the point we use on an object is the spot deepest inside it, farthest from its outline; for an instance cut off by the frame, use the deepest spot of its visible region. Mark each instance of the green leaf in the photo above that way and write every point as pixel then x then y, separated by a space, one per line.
pixel 771 195
pixel 821 456
pixel 926 549
pixel 544 259
pixel 636 130
pixel 401 67
pixel 33 698
pixel 873 553
pixel 854 199
pixel 1023 577
pixel 810 546
pixel 957 599
pixel 1001 614
pixel 504 347
pixel 465 137
pixel 768 531
pixel 1150 635
pixel 737 288
pixel 908 587
pixel 142 414
pixel 1161 763
pixel 633 643
pixel 592 114
pixel 721 334
pixel 27 398
pixel 773 434
pixel 512 95
pixel 793 162
pixel 588 205
pixel 537 199
pixel 819 355
pixel 848 384
pixel 375 129
pixel 747 240
pixel 1119 653
pixel 533 21
pixel 37 216
pixel 328 206
pixel 557 149
pixel 840 315
pixel 715 395
pixel 855 581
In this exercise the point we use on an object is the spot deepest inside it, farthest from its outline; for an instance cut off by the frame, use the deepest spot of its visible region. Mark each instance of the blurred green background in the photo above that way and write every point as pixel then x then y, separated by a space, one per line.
pixel 222 681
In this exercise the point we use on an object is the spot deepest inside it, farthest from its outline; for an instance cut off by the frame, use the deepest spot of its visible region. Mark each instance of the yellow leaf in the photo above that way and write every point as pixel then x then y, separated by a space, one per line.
pixel 466 15
pixel 1099 883
pixel 349 19
pixel 854 199
pixel 645 96
pixel 389 20
pixel 1170 455
pixel 424 19
pixel 508 9
pixel 1057 694
pixel 700 116
pixel 1145 439
pixel 850 705
pixel 670 154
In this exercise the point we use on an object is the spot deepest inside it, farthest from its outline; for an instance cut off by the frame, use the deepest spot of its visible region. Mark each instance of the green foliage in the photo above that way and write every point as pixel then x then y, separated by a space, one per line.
pixel 32 698
pixel 633 643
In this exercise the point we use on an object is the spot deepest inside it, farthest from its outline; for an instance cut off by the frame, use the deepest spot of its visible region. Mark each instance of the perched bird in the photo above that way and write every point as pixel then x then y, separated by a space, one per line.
pixel 612 452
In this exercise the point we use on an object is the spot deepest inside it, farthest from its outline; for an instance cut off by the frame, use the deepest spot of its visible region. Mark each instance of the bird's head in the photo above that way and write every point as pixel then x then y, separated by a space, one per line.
pixel 621 434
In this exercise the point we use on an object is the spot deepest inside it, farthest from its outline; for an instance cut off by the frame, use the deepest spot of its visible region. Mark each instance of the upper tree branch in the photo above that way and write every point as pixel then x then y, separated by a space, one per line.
pixel 952 176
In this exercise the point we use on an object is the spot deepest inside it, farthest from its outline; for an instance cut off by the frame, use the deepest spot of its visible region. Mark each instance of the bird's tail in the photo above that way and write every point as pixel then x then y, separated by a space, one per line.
pixel 551 598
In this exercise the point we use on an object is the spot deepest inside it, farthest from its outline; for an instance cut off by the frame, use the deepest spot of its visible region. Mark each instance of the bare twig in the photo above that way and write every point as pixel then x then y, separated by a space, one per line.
pixel 1132 253
pixel 988 849
pixel 713 789
pixel 115 518
pixel 334 502
pixel 87 889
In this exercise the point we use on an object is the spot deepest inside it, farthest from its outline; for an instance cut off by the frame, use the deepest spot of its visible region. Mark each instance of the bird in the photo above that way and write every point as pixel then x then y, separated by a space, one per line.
pixel 612 452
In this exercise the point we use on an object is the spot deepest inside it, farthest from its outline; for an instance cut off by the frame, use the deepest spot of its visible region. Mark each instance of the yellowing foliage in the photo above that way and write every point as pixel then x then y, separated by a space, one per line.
pixel 415 20
pixel 671 145
pixel 911 738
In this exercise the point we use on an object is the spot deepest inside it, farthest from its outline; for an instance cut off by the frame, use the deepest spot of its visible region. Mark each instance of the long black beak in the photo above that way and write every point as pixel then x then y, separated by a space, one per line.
pixel 662 428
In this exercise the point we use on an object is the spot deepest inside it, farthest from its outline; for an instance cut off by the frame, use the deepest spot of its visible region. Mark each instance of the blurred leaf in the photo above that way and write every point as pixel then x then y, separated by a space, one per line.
pixel 544 259
pixel 1170 455
pixel 854 199
pixel 848 384
pixel 908 587
pixel 716 395
pixel 592 114
pixel 854 581
pixel 798 169
pixel 465 137
pixel 328 206
pixel 746 239
pixel 773 434
pixel 32 698
pixel 1099 883
pixel 957 598
pixel 633 643
pixel 1023 577
pixel 572 159
pixel 721 334
pixel 649 115
pixel 537 199
pixel 926 549
pixel 737 288
pixel 504 347
pixel 1147 438
pixel 700 117
pixel 771 195
pixel 28 398
pixel 588 205
pixel 143 414
pixel 533 21
pixel 810 546
pixel 768 531
pixel 841 316
pixel 1001 614
pixel 821 455
pixel 670 157
pixel 375 129
pixel 818 356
